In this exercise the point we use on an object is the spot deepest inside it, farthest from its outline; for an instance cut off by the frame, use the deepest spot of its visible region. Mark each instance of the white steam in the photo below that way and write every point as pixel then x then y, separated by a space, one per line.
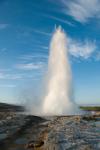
pixel 56 96
pixel 58 92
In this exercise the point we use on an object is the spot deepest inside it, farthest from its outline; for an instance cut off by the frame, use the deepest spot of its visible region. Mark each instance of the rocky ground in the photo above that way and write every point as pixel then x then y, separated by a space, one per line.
pixel 26 132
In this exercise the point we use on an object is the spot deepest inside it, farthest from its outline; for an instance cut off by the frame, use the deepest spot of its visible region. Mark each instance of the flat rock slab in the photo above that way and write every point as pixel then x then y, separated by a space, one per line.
pixel 25 132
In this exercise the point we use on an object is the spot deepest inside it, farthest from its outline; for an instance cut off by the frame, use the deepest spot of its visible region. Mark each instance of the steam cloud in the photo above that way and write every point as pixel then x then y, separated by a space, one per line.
pixel 56 98
pixel 58 92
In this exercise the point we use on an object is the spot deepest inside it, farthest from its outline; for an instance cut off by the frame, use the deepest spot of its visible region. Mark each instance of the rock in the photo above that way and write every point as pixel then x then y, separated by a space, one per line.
pixel 97 123
pixel 3 136
pixel 35 144
pixel 85 147
pixel 98 145
pixel 2 130
pixel 21 141
pixel 89 118
pixel 9 117
pixel 55 133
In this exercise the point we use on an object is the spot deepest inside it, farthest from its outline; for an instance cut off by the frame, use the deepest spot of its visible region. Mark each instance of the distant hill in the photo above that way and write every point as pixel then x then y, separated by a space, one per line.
pixel 10 107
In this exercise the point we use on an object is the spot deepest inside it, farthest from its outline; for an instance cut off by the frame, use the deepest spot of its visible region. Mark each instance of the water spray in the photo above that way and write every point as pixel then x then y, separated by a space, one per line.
pixel 58 92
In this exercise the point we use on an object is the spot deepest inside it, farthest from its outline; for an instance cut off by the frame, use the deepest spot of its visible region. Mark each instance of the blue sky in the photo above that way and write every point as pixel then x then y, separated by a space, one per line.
pixel 26 28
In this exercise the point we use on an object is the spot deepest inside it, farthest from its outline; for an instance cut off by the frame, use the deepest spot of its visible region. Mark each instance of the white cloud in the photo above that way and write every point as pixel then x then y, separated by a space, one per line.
pixel 41 32
pixel 81 10
pixel 45 47
pixel 26 57
pixel 81 49
pixel 29 66
pixel 32 61
pixel 59 19
pixel 31 56
pixel 10 76
pixel 3 26
pixel 97 56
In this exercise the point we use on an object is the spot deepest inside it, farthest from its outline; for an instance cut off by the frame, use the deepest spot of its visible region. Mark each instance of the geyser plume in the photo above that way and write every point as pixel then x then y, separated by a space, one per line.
pixel 58 94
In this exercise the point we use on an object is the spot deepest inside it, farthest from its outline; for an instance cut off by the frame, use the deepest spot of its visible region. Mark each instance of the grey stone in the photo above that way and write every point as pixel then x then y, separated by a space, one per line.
pixel 3 136
pixel 21 141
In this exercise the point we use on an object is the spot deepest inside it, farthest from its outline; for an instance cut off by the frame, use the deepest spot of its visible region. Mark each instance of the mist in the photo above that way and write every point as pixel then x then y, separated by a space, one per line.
pixel 55 96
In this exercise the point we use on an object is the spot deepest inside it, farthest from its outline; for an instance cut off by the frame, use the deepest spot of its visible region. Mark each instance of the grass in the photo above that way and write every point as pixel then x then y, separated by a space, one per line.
pixel 90 108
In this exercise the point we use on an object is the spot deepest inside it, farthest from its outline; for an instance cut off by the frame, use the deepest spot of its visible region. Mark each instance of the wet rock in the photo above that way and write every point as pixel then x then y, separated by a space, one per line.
pixel 35 144
pixel 2 130
pixel 97 123
pixel 3 136
pixel 89 118
pixel 9 117
pixel 55 133
pixel 21 141
pixel 85 147
pixel 98 145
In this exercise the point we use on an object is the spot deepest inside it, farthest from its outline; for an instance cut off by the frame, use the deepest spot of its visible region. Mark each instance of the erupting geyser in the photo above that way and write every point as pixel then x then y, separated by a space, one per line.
pixel 58 92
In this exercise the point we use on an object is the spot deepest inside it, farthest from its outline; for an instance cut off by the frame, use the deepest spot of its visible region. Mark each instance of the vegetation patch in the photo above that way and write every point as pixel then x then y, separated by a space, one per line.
pixel 90 108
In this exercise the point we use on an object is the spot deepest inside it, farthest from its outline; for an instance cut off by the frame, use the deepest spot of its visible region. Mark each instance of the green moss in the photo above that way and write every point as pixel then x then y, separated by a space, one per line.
pixel 90 108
